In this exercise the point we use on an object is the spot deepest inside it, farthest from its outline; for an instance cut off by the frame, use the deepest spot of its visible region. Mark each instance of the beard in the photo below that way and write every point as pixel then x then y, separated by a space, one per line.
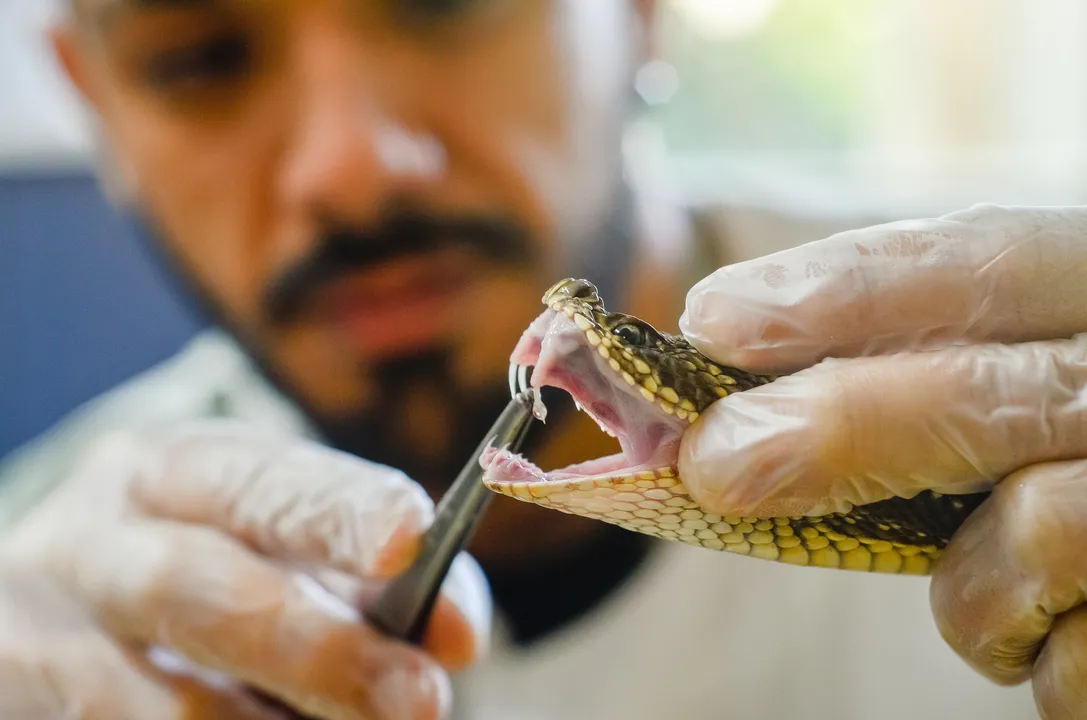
pixel 412 390
pixel 383 433
pixel 421 388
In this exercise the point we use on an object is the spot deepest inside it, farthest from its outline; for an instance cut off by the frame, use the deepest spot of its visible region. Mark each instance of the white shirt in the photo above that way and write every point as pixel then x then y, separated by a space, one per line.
pixel 694 635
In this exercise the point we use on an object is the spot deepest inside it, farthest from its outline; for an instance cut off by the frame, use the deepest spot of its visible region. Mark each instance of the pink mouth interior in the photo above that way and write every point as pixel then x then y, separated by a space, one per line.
pixel 562 357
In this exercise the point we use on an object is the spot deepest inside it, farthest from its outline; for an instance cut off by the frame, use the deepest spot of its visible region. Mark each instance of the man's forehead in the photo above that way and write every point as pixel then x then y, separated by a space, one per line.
pixel 105 11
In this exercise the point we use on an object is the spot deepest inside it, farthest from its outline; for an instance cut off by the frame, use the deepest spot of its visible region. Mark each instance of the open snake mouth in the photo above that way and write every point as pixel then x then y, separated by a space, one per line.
pixel 561 356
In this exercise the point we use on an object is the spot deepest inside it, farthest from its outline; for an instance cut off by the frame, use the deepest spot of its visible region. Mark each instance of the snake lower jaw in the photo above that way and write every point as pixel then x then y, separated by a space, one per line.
pixel 506 468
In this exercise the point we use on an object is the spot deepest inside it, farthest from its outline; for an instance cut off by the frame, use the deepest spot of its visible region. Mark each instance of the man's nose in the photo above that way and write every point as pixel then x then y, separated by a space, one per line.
pixel 351 149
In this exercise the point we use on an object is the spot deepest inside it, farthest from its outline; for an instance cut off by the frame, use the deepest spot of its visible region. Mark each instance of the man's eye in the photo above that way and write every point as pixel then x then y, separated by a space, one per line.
pixel 221 58
pixel 437 8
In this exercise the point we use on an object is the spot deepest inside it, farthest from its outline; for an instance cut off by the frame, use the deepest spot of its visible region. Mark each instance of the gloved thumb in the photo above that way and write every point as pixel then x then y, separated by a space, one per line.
pixel 984 274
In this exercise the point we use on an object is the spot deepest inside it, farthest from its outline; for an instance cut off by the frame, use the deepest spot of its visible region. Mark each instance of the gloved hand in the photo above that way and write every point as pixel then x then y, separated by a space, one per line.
pixel 244 555
pixel 957 365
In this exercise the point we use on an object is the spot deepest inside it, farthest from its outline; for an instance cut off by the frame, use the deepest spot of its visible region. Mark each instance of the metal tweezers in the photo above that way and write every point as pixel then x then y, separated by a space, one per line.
pixel 403 610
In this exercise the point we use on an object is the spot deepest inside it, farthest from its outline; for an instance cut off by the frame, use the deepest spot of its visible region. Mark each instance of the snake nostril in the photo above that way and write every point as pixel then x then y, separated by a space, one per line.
pixel 583 289
pixel 571 288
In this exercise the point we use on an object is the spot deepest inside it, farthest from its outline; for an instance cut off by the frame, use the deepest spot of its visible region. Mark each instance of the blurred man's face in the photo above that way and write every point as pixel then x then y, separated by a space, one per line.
pixel 373 193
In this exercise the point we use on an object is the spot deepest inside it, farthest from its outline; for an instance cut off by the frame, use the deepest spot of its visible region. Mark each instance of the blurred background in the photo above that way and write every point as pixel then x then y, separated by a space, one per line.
pixel 900 107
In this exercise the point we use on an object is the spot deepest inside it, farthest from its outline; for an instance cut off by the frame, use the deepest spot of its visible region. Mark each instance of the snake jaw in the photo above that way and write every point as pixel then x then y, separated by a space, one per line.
pixel 639 385
pixel 561 356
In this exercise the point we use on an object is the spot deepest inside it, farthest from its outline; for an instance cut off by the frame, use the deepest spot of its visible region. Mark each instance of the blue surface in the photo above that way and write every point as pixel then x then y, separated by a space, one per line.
pixel 82 304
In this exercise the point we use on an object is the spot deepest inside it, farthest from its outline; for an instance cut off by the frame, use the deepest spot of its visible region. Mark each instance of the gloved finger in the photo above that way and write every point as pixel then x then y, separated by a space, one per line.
pixel 1060 672
pixel 91 678
pixel 1009 577
pixel 305 503
pixel 294 501
pixel 855 431
pixel 986 274
pixel 227 609
pixel 55 663
pixel 202 694
pixel 452 636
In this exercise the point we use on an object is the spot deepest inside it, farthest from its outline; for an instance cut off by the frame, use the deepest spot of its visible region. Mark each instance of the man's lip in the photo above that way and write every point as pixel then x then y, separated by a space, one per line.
pixel 399 307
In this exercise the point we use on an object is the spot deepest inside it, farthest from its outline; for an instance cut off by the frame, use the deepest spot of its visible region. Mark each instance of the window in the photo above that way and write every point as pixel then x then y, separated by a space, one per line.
pixel 904 103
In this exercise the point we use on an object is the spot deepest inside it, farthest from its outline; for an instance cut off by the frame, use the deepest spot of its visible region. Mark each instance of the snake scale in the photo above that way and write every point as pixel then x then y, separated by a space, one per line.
pixel 645 387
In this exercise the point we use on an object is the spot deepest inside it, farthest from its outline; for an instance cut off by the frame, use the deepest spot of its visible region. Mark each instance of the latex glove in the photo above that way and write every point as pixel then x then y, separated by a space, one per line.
pixel 885 418
pixel 193 541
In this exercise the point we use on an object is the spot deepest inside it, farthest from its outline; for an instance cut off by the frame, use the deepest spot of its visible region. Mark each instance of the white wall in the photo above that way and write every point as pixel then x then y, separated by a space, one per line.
pixel 972 98
pixel 41 120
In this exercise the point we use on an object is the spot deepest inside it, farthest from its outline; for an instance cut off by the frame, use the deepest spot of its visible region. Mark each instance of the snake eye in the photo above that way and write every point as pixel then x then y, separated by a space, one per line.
pixel 631 334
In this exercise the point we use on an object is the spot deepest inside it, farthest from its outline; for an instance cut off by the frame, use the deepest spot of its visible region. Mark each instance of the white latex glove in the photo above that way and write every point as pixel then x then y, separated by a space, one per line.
pixel 959 365
pixel 192 541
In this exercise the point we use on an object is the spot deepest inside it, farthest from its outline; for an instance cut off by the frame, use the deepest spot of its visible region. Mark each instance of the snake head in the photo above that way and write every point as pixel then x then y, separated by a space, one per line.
pixel 641 385
pixel 663 368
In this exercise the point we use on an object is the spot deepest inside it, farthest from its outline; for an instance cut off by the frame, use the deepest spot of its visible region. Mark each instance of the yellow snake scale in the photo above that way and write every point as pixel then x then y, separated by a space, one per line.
pixel 897 535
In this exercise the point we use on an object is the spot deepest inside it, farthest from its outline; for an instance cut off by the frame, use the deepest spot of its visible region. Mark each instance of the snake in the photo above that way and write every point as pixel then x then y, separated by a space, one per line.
pixel 645 387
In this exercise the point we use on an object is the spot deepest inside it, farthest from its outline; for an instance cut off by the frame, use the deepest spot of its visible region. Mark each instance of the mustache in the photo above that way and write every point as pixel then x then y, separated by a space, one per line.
pixel 344 249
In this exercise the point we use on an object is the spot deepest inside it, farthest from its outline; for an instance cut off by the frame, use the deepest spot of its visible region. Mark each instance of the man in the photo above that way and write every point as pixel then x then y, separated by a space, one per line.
pixel 369 198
